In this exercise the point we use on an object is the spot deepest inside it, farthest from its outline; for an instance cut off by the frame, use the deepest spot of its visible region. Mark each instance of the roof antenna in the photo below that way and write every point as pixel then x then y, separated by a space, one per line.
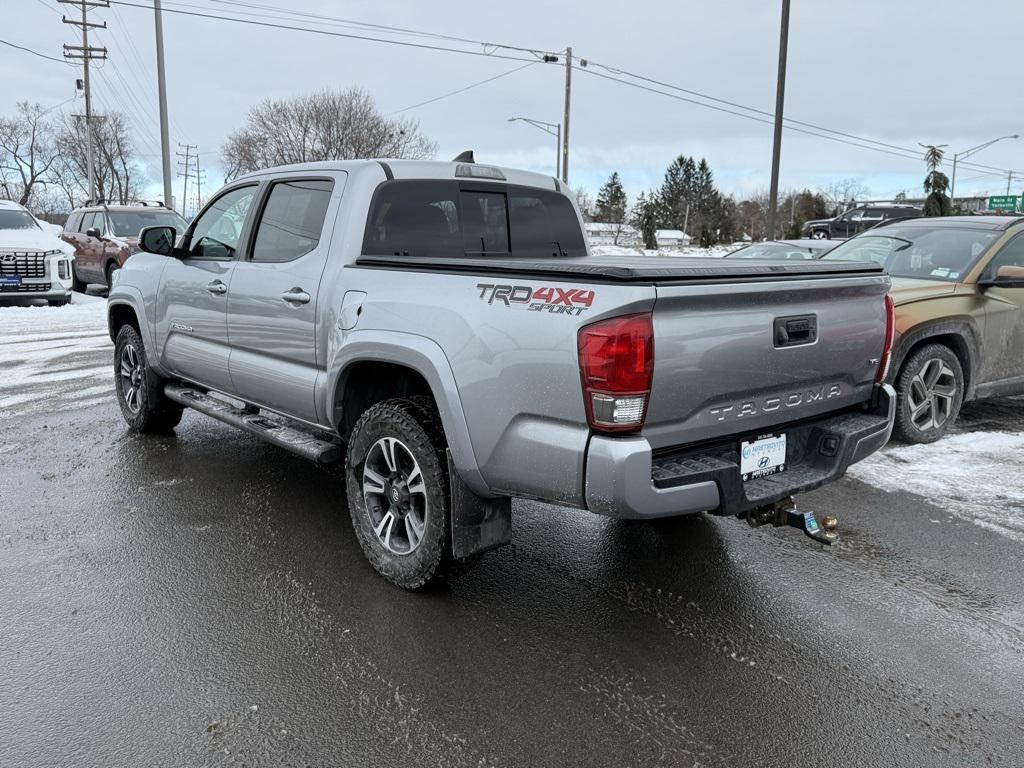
pixel 464 157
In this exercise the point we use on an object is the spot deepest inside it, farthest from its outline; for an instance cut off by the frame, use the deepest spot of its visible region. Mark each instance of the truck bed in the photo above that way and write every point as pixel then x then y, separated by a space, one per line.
pixel 650 270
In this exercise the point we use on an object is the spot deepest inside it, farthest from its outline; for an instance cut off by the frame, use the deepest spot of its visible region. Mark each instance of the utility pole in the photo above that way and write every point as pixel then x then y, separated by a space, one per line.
pixel 780 97
pixel 1009 178
pixel 165 136
pixel 187 156
pixel 565 117
pixel 200 175
pixel 85 53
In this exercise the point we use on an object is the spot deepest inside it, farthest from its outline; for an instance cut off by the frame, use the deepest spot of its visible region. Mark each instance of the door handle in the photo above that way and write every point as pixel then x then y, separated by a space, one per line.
pixel 296 296
pixel 216 287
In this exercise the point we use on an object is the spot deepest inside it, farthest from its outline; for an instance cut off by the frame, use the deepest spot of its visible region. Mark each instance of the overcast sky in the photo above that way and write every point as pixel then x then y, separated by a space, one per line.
pixel 901 72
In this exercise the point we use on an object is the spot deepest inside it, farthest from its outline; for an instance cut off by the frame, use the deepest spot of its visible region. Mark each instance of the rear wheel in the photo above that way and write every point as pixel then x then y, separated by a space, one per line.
pixel 112 267
pixel 76 283
pixel 819 234
pixel 930 391
pixel 396 472
pixel 140 392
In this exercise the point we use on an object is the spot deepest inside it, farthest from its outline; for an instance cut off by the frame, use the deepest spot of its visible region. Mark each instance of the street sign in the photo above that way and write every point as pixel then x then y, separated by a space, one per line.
pixel 1003 203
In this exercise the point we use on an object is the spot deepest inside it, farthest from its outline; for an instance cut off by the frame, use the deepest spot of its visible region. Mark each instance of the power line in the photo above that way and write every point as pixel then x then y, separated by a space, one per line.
pixel 34 53
pixel 771 115
pixel 329 33
pixel 463 89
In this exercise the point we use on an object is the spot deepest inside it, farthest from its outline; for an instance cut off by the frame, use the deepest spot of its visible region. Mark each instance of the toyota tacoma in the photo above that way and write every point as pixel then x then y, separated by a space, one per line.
pixel 442 329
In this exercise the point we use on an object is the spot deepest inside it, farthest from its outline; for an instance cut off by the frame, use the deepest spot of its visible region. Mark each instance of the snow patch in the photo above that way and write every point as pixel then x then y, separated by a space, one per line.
pixel 971 475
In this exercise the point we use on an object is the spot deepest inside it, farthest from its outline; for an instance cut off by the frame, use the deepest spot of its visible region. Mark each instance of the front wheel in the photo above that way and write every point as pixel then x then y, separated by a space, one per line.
pixel 396 473
pixel 929 391
pixel 819 234
pixel 140 391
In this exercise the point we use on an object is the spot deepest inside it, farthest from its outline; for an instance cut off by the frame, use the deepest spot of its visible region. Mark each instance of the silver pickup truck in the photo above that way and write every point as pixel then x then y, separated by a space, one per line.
pixel 443 330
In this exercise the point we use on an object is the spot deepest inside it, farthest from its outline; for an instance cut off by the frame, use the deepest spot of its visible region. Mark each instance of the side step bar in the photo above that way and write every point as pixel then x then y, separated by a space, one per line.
pixel 276 432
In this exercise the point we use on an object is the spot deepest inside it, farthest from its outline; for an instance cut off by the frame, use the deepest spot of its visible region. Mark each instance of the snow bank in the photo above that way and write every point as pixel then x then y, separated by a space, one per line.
pixel 972 475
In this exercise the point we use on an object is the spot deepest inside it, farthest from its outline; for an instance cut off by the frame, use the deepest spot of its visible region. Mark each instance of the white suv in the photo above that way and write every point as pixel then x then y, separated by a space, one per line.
pixel 34 262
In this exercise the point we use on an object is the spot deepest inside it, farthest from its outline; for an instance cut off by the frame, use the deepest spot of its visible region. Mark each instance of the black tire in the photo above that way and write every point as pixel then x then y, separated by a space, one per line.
pixel 76 283
pixel 140 392
pixel 929 393
pixel 108 273
pixel 819 234
pixel 415 425
pixel 57 302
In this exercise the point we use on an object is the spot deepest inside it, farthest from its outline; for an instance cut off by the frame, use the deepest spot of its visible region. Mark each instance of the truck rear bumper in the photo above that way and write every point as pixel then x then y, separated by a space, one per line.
pixel 624 479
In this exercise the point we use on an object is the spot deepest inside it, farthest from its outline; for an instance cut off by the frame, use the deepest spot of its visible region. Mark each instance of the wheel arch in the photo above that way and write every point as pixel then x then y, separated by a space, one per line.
pixel 960 335
pixel 376 365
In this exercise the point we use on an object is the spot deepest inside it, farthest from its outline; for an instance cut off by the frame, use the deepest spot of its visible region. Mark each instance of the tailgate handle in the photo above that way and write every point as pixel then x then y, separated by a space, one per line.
pixel 794 331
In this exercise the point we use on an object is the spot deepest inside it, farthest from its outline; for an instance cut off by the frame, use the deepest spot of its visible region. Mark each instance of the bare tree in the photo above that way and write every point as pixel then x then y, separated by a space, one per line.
pixel 842 193
pixel 119 176
pixel 326 125
pixel 27 152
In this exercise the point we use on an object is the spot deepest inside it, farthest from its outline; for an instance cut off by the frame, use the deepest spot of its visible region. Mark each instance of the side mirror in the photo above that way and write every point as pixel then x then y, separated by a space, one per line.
pixel 92 232
pixel 1006 277
pixel 158 240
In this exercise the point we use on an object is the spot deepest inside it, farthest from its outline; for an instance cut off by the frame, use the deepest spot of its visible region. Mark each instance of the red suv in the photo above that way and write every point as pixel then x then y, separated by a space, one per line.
pixel 104 236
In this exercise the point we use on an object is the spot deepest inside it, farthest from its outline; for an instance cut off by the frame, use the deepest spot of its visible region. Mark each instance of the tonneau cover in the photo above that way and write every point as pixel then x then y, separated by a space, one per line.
pixel 631 269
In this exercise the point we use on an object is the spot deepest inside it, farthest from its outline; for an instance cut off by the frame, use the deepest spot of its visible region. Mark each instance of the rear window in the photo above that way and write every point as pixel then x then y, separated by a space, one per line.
pixel 446 219
pixel 128 223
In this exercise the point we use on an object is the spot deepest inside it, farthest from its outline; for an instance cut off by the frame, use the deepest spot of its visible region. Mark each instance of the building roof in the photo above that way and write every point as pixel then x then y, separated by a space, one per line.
pixel 671 233
pixel 604 226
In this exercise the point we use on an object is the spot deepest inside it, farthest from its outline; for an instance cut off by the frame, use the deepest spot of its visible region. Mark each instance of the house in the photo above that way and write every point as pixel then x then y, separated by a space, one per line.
pixel 605 233
pixel 672 238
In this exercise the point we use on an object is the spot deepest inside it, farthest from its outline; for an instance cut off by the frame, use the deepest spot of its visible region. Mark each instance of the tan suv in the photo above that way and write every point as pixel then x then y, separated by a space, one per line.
pixel 958 287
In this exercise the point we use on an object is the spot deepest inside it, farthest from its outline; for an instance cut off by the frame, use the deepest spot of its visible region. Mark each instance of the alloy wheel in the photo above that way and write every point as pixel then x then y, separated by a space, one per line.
pixel 131 377
pixel 395 495
pixel 931 395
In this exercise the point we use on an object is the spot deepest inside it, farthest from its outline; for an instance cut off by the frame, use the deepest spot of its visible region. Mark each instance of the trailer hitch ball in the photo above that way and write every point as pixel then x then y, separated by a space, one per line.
pixel 784 512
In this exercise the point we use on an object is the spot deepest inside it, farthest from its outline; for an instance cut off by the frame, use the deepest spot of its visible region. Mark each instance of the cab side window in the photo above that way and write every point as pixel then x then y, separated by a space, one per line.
pixel 216 233
pixel 292 220
pixel 1012 255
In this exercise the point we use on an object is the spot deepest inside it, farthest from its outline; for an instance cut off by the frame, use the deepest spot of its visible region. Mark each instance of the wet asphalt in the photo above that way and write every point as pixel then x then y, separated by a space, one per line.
pixel 200 600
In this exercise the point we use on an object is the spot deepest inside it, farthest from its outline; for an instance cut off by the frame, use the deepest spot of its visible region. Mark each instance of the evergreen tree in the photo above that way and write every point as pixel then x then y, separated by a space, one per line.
pixel 611 202
pixel 645 218
pixel 935 184
pixel 677 191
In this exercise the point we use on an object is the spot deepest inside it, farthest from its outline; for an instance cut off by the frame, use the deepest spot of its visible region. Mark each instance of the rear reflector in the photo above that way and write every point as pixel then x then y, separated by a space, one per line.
pixel 890 334
pixel 616 366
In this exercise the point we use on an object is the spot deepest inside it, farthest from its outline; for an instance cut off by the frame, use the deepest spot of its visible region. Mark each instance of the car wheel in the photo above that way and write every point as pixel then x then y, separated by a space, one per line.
pixel 140 392
pixel 930 391
pixel 57 302
pixel 396 472
pixel 77 284
pixel 112 267
pixel 819 234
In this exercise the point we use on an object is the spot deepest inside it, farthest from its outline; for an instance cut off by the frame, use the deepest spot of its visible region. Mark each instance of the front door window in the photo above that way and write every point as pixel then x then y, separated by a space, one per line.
pixel 218 230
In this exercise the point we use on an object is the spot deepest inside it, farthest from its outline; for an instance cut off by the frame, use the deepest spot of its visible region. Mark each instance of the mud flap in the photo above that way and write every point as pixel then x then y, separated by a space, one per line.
pixel 478 524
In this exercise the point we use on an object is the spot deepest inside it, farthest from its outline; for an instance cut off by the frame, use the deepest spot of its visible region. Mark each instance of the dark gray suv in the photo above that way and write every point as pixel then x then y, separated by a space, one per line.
pixel 857 220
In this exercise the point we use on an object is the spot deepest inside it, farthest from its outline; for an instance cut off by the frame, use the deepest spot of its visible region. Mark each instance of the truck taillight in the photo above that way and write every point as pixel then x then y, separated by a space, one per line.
pixel 616 365
pixel 890 334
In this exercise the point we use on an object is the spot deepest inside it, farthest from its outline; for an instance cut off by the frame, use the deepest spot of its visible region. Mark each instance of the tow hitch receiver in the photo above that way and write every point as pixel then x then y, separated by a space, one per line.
pixel 785 513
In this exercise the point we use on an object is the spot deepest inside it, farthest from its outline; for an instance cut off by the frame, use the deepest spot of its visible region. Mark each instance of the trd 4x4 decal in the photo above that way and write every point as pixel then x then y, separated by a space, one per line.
pixel 557 301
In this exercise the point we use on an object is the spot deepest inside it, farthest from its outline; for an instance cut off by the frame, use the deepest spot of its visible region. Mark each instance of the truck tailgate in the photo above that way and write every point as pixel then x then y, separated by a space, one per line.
pixel 741 357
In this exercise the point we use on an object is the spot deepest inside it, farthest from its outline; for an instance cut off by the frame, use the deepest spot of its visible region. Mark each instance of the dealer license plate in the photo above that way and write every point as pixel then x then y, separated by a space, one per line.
pixel 762 457
pixel 10 279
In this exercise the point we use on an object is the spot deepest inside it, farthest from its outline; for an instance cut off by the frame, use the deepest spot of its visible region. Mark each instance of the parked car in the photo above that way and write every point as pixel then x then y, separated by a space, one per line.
pixel 104 236
pixel 34 262
pixel 857 220
pixel 784 249
pixel 958 287
pixel 442 329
